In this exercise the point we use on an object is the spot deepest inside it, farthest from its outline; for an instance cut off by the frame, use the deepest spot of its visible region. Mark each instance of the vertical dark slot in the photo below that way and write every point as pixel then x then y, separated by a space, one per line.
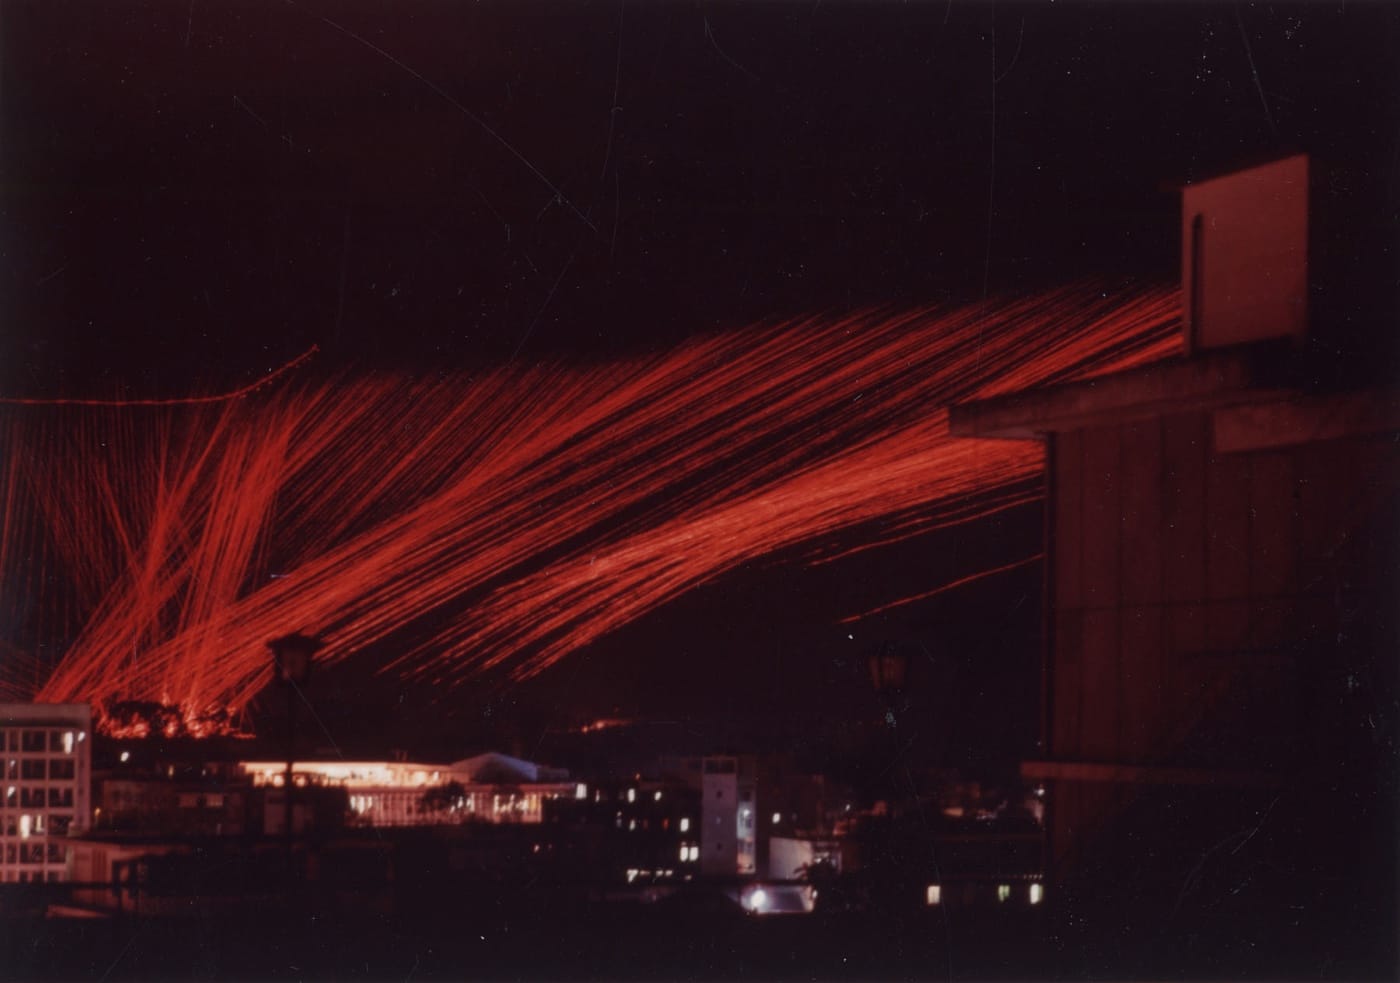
pixel 1198 237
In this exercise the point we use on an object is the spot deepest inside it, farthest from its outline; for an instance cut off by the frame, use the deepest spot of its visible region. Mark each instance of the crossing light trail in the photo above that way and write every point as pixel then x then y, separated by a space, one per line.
pixel 504 520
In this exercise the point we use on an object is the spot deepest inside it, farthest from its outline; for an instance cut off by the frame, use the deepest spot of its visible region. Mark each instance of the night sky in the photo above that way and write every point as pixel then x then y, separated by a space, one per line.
pixel 194 193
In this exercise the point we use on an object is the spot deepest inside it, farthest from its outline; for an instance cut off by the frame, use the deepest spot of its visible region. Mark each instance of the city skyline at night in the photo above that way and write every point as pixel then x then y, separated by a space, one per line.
pixel 726 489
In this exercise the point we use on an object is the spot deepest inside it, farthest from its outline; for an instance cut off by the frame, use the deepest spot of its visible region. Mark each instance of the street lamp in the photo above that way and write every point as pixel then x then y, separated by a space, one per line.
pixel 291 662
pixel 887 667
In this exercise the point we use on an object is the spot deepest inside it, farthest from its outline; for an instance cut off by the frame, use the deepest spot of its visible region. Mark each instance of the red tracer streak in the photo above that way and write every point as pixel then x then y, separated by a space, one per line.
pixel 511 517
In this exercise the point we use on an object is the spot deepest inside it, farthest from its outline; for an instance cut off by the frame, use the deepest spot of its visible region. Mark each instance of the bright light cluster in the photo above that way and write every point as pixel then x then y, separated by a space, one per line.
pixel 511 517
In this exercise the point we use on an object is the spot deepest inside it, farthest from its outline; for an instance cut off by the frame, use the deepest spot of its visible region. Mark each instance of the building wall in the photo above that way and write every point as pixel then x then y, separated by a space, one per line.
pixel 1203 602
pixel 47 775
pixel 729 816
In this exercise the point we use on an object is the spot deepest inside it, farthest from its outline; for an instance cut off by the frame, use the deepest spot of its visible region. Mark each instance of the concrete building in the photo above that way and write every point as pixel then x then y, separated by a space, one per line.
pixel 1220 585
pixel 47 757
pixel 729 816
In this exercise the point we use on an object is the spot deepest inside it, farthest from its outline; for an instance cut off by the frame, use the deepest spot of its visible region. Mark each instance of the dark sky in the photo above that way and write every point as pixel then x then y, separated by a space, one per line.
pixel 195 192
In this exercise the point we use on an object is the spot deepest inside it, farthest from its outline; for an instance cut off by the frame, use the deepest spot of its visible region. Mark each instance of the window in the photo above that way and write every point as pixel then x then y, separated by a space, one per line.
pixel 933 894
pixel 31 853
pixel 61 797
pixel 56 741
pixel 1003 892
pixel 685 824
pixel 11 852
pixel 12 768
pixel 62 768
pixel 31 768
pixel 32 740
pixel 31 797
pixel 55 852
pixel 59 823
pixel 1037 893
pixel 11 740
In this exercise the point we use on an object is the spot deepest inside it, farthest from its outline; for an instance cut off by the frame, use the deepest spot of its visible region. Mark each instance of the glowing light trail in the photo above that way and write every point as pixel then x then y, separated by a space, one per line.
pixel 971 578
pixel 272 376
pixel 511 518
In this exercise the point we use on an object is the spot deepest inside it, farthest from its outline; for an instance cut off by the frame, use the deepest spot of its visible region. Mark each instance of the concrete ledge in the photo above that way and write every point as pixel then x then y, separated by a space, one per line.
pixel 1230 376
pixel 1090 771
pixel 1306 420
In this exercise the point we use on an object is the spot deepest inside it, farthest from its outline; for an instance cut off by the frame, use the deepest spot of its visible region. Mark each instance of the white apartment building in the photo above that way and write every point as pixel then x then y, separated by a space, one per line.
pixel 729 816
pixel 47 755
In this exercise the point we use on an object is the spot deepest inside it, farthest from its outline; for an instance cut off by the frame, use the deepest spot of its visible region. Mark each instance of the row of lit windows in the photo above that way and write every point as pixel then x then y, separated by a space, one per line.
pixel 634 874
pixel 1035 893
pixel 34 741
pixel 35 876
pixel 40 768
pixel 25 825
pixel 29 797
pixel 37 852
pixel 682 824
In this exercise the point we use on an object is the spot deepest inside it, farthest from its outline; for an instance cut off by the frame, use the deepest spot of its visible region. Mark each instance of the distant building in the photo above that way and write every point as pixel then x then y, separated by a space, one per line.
pixel 490 788
pixel 47 758
pixel 639 831
pixel 729 816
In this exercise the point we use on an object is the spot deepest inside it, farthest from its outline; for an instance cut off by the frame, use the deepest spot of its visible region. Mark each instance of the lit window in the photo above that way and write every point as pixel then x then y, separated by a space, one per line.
pixel 581 791
pixel 126 756
pixel 1003 892
pixel 68 742
pixel 632 824
pixel 657 796
pixel 685 852
pixel 25 826
pixel 933 894
pixel 631 795
pixel 777 818
pixel 685 824
pixel 1037 893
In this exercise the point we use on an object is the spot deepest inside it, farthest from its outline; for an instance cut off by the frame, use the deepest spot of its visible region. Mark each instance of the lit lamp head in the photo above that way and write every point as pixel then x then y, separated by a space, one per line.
pixel 292 655
pixel 888 664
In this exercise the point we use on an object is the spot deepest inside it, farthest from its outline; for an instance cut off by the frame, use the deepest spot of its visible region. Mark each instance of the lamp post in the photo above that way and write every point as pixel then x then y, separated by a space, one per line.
pixel 291 662
pixel 888 665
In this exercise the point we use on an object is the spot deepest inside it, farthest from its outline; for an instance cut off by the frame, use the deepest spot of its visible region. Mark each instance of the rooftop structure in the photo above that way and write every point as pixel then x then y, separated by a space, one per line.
pixel 1219 577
